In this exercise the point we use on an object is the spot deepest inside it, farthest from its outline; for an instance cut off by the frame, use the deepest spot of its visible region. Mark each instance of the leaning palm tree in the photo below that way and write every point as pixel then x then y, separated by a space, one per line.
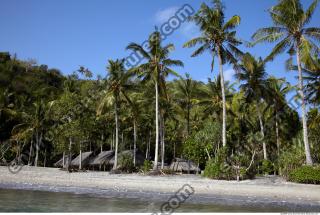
pixel 291 33
pixel 253 77
pixel 156 69
pixel 219 38
pixel 117 84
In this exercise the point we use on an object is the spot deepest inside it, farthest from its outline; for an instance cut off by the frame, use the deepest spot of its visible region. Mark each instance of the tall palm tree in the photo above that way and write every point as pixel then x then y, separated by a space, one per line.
pixel 117 85
pixel 219 38
pixel 185 94
pixel 252 73
pixel 135 102
pixel 156 68
pixel 279 88
pixel 291 32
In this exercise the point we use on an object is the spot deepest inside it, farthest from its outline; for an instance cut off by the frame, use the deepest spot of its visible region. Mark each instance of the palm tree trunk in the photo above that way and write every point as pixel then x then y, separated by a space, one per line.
pixel 304 118
pixel 69 158
pixel 134 141
pixel 162 142
pixel 148 146
pixel 224 114
pixel 63 159
pixel 265 157
pixel 155 165
pixel 37 150
pixel 80 160
pixel 30 153
pixel 188 119
pixel 277 134
pixel 117 134
pixel 45 158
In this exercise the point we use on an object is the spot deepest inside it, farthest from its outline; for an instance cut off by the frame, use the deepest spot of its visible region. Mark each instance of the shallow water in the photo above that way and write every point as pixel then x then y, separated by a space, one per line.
pixel 43 201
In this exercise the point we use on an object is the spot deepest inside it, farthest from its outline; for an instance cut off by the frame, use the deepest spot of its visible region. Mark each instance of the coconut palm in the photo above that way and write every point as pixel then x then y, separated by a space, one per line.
pixel 219 38
pixel 34 125
pixel 253 77
pixel 117 84
pixel 185 94
pixel 312 75
pixel 291 32
pixel 210 97
pixel 156 69
pixel 279 88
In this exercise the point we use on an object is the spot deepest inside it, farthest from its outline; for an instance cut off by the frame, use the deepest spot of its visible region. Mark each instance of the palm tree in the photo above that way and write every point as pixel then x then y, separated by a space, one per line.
pixel 279 88
pixel 291 33
pixel 210 97
pixel 117 86
pixel 252 73
pixel 135 102
pixel 312 75
pixel 185 94
pixel 34 125
pixel 219 38
pixel 155 69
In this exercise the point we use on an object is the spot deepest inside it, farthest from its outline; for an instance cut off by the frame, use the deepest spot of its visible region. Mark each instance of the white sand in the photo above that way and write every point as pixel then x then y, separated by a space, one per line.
pixel 273 188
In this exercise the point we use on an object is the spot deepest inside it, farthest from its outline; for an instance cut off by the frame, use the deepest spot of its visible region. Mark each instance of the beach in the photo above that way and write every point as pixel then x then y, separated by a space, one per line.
pixel 262 190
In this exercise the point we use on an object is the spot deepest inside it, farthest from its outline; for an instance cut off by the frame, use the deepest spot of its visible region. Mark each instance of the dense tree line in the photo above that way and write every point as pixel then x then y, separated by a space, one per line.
pixel 249 128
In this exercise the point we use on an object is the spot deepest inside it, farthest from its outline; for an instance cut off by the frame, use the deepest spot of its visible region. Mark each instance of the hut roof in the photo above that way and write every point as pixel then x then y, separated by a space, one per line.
pixel 85 159
pixel 60 162
pixel 101 158
pixel 184 165
pixel 139 157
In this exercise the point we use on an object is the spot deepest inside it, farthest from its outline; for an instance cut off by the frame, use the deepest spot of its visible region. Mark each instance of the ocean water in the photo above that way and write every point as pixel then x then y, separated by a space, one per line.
pixel 42 201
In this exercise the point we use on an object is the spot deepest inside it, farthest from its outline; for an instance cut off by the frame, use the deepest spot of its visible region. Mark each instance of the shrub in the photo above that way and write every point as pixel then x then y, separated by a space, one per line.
pixel 229 167
pixel 126 164
pixel 290 160
pixel 267 167
pixel 218 168
pixel 306 175
pixel 147 165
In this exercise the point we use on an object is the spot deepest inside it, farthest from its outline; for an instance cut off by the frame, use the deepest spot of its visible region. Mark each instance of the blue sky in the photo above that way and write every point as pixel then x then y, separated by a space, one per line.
pixel 67 34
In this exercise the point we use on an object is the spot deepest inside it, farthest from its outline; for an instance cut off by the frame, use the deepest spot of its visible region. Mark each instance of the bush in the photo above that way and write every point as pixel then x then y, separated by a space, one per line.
pixel 306 175
pixel 126 164
pixel 218 170
pixel 267 167
pixel 147 165
pixel 290 160
pixel 229 167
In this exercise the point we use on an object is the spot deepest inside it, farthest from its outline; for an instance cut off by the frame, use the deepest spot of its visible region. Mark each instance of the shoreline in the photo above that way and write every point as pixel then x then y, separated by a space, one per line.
pixel 262 192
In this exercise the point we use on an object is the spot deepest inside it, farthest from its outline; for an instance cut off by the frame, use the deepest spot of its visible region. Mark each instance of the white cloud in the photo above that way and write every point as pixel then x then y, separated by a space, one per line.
pixel 164 15
pixel 229 75
pixel 189 30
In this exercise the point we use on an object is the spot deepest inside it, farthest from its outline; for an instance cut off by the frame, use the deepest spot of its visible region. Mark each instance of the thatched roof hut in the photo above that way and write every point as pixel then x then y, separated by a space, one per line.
pixel 59 163
pixel 139 157
pixel 182 165
pixel 86 156
pixel 101 159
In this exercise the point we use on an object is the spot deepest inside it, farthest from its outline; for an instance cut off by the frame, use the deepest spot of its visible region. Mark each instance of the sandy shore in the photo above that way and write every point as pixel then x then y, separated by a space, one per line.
pixel 263 190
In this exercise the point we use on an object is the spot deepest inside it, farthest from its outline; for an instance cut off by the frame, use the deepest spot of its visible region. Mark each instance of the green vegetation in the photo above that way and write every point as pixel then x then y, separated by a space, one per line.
pixel 306 174
pixel 231 131
pixel 146 167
